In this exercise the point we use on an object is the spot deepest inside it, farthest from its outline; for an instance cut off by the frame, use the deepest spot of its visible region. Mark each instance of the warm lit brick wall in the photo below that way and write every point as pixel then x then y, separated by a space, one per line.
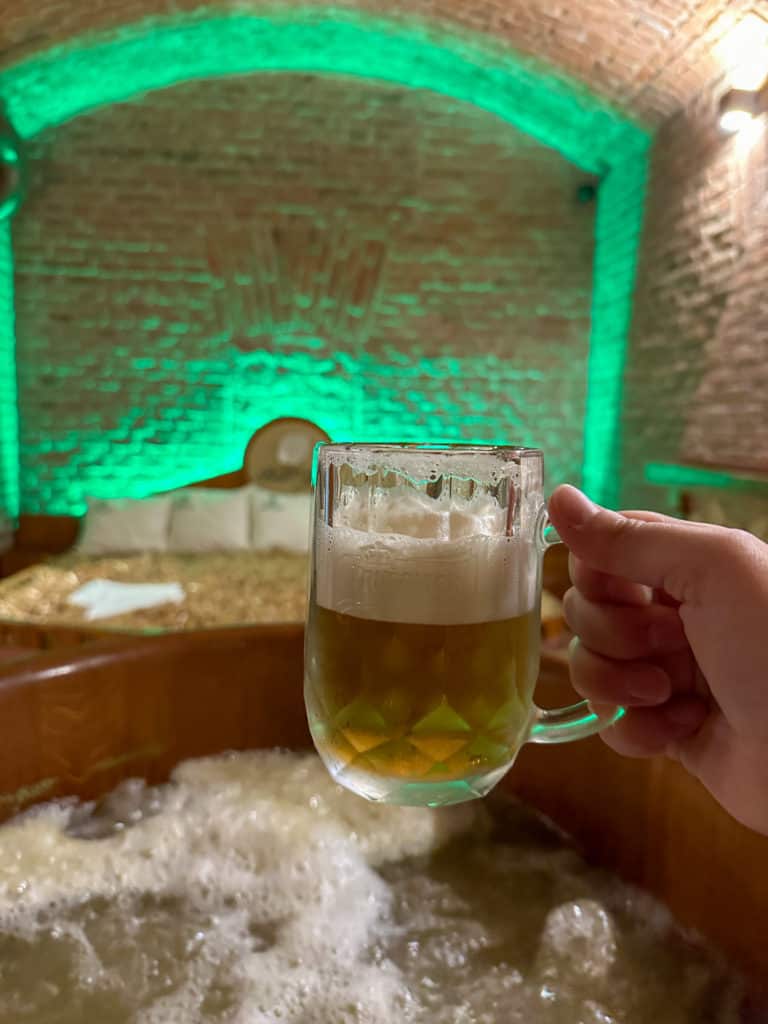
pixel 385 261
pixel 697 373
pixel 648 56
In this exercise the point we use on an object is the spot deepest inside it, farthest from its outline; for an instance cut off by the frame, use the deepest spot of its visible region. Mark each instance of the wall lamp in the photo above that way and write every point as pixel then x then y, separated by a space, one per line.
pixel 743 53
pixel 740 107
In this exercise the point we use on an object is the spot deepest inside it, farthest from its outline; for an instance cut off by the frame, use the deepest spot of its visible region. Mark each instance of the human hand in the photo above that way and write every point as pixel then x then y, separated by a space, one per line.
pixel 671 620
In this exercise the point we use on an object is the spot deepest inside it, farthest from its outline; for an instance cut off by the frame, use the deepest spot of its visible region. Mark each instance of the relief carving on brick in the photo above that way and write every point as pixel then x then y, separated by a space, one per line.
pixel 292 284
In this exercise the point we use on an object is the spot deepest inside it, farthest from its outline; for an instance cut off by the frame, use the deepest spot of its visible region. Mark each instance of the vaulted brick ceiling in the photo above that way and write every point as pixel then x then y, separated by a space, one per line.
pixel 649 57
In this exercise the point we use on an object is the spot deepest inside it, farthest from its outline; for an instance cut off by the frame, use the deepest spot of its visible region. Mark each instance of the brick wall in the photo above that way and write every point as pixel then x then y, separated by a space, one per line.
pixel 388 262
pixel 697 375
pixel 648 56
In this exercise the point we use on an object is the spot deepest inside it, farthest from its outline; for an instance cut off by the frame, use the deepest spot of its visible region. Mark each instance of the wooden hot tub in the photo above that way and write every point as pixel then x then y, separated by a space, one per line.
pixel 78 721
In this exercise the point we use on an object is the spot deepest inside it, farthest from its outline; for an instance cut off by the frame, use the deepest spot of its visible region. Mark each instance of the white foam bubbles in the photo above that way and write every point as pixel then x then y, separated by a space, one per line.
pixel 254 885
pixel 261 893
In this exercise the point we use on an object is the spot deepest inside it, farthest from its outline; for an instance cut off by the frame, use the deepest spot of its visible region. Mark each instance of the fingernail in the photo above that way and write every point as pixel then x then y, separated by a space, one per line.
pixel 580 508
pixel 686 713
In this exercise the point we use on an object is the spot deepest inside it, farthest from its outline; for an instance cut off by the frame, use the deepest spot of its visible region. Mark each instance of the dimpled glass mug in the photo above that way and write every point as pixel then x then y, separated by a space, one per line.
pixel 423 631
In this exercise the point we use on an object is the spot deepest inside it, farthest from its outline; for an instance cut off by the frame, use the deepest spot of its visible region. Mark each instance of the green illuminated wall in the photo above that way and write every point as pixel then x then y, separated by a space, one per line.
pixel 51 88
pixel 619 223
pixel 9 434
pixel 679 477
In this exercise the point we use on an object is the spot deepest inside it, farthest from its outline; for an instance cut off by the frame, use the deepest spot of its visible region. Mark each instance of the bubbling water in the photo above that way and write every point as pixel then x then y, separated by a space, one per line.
pixel 252 890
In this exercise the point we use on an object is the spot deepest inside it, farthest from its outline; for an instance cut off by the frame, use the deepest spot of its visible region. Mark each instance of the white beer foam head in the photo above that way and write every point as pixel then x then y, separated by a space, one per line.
pixel 424 462
pixel 400 556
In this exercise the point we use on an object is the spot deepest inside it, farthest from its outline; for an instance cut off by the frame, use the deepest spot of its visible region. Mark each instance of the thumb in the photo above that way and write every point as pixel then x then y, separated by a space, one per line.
pixel 664 553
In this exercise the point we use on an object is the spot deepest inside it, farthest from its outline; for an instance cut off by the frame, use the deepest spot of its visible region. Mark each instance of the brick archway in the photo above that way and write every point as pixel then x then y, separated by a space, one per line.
pixel 56 86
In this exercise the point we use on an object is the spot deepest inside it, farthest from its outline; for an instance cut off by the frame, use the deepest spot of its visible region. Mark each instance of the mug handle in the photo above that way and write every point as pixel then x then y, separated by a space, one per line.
pixel 561 725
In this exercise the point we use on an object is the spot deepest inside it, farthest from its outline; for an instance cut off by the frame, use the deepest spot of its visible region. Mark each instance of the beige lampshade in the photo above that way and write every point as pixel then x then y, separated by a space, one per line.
pixel 279 456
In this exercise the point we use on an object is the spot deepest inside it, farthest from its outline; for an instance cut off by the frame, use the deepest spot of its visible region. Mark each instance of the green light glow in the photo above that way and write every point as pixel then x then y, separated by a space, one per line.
pixel 619 224
pixel 58 85
pixel 667 474
pixel 48 89
pixel 9 407
pixel 578 721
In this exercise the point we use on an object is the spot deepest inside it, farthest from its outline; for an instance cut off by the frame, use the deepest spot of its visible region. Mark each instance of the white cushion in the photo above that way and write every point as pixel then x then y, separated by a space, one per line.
pixel 205 519
pixel 125 525
pixel 280 520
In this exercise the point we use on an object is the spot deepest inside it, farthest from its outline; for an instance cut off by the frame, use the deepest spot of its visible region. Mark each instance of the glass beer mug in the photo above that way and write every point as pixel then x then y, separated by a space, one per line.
pixel 423 631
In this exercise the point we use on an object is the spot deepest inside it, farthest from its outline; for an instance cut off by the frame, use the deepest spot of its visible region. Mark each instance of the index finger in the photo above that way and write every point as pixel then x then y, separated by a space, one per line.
pixel 666 554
